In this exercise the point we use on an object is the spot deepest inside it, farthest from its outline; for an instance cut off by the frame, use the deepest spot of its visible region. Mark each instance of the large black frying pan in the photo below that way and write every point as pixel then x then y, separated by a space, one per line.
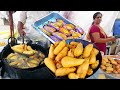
pixel 85 43
pixel 15 73
pixel 39 72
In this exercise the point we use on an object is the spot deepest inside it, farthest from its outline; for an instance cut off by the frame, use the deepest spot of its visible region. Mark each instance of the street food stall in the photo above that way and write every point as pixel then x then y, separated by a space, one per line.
pixel 68 57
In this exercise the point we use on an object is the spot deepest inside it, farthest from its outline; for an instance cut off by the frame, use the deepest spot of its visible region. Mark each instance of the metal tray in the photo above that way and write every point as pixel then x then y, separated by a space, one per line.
pixel 111 76
pixel 51 17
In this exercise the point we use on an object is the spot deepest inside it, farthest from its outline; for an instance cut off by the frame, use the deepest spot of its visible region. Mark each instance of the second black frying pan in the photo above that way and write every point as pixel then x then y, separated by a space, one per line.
pixel 85 43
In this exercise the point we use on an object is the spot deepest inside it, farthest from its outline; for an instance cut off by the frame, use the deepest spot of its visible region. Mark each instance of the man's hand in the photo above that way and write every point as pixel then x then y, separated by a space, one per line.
pixel 20 28
pixel 22 33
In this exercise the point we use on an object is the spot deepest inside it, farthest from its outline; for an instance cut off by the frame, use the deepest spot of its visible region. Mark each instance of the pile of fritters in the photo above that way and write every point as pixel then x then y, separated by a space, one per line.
pixel 72 60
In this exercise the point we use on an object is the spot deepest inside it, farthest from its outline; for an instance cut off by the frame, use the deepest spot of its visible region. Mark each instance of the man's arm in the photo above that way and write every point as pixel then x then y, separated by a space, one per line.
pixel 21 22
pixel 20 28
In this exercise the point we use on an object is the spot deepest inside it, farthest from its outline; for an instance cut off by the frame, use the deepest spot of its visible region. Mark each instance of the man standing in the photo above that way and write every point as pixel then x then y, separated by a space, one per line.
pixel 27 18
